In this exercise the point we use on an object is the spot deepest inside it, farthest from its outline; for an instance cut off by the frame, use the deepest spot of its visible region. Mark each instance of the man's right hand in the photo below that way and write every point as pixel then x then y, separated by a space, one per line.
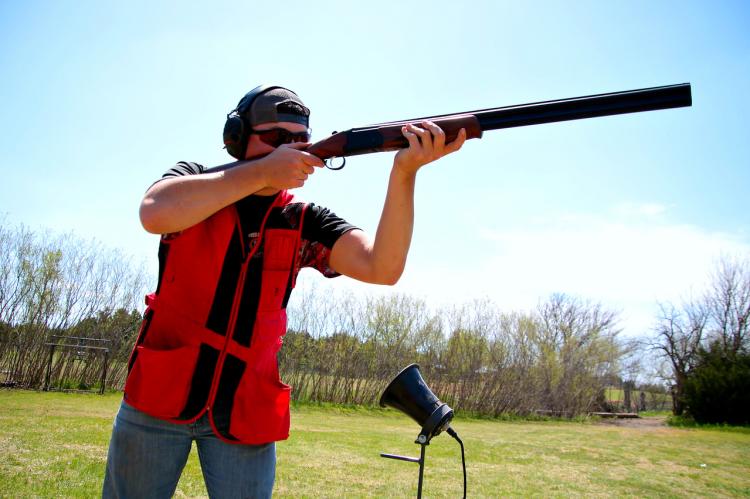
pixel 288 166
pixel 177 203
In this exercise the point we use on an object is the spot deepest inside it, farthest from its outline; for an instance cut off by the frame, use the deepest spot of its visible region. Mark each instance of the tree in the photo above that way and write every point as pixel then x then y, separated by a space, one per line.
pixel 716 322
pixel 680 333
pixel 728 304
pixel 578 349
pixel 717 389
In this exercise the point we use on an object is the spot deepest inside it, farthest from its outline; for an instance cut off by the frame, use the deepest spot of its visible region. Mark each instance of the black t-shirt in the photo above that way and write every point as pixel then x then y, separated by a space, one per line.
pixel 321 228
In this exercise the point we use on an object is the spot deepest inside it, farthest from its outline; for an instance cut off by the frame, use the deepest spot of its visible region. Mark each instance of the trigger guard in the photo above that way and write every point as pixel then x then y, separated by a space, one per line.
pixel 329 162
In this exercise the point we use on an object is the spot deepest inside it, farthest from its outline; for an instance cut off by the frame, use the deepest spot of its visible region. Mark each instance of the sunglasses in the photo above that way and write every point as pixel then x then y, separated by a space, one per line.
pixel 277 136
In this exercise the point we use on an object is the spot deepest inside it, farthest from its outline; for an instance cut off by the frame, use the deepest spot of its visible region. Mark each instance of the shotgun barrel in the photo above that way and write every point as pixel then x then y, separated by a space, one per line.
pixel 388 137
pixel 577 108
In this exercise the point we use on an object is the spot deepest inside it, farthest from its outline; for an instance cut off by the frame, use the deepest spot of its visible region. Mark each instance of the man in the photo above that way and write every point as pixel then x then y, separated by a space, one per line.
pixel 233 239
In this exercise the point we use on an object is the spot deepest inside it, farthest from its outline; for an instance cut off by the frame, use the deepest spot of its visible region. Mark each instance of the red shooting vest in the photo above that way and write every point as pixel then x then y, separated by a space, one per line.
pixel 211 332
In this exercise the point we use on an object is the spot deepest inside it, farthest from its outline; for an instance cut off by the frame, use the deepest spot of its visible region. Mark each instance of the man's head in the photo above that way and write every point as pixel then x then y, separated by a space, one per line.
pixel 274 114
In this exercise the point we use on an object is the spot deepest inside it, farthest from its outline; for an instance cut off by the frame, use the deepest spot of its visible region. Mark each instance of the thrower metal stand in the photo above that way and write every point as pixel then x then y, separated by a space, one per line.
pixel 410 394
pixel 423 441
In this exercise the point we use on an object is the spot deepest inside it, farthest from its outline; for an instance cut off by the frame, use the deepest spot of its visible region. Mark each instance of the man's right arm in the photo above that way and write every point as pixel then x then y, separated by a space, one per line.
pixel 176 203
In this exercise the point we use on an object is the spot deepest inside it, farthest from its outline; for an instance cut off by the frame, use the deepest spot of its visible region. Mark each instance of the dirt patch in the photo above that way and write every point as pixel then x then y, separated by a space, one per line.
pixel 645 423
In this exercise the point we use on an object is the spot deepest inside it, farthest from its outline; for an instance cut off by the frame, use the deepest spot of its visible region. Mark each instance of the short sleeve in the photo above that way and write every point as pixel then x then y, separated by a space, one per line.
pixel 184 168
pixel 320 231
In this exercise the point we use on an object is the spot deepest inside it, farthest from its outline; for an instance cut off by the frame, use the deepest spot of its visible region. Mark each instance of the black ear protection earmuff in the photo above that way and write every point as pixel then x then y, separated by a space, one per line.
pixel 236 131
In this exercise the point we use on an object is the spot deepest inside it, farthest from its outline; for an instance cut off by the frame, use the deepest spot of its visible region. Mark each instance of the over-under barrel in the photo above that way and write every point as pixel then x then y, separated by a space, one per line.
pixel 388 136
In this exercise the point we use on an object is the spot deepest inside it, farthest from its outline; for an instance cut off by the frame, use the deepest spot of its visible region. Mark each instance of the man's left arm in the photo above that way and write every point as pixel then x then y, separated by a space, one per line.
pixel 382 260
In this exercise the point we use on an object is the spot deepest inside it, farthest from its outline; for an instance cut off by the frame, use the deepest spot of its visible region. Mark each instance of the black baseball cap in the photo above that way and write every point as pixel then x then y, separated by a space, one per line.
pixel 276 104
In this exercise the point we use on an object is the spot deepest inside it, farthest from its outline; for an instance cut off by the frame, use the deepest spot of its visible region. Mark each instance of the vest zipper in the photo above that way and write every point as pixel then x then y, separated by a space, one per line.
pixel 230 330
pixel 247 254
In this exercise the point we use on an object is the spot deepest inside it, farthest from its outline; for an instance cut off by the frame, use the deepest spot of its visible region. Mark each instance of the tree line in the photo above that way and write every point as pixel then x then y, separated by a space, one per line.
pixel 556 359
pixel 62 285
pixel 341 347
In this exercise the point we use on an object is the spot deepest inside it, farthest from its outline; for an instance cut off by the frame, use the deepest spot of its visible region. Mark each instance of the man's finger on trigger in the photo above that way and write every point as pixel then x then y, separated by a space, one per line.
pixel 311 159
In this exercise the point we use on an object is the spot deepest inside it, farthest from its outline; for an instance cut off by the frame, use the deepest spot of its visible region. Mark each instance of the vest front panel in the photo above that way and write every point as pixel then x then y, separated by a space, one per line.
pixel 211 333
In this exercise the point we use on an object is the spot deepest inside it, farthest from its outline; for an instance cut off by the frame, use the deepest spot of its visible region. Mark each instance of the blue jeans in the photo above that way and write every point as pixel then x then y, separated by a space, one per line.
pixel 146 457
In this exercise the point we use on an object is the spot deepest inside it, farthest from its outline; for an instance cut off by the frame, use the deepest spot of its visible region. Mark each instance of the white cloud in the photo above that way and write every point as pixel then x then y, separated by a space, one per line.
pixel 629 259
pixel 640 209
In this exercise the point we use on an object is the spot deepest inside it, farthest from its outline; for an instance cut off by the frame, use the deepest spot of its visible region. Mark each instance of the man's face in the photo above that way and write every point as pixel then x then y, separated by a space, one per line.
pixel 256 145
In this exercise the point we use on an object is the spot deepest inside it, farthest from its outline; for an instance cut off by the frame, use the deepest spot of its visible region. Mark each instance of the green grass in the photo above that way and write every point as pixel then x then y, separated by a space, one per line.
pixel 54 445
pixel 689 422
pixel 648 414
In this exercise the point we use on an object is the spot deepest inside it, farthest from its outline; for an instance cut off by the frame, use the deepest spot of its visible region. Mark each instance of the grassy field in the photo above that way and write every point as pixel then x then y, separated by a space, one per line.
pixel 54 445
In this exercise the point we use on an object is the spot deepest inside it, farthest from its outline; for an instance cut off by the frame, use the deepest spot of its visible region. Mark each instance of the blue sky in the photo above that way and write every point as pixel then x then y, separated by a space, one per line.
pixel 99 100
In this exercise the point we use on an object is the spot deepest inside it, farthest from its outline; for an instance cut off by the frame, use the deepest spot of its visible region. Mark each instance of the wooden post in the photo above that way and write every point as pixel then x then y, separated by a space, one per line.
pixel 49 367
pixel 627 388
pixel 104 372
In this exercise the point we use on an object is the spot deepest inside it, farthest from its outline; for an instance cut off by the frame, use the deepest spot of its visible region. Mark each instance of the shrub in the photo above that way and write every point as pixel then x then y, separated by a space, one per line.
pixel 717 389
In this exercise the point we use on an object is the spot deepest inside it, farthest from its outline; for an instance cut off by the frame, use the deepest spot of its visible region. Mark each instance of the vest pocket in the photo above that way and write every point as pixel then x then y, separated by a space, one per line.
pixel 278 249
pixel 273 291
pixel 260 413
pixel 261 410
pixel 159 382
pixel 278 260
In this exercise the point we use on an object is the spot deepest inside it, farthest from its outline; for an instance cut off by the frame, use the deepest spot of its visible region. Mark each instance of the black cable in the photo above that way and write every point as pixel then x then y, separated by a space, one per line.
pixel 453 434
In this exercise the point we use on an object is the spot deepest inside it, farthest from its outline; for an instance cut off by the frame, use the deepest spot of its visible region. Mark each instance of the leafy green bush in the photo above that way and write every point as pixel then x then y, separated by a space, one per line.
pixel 717 389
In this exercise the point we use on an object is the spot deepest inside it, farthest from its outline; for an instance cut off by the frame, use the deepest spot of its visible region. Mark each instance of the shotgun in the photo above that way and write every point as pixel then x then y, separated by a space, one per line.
pixel 388 136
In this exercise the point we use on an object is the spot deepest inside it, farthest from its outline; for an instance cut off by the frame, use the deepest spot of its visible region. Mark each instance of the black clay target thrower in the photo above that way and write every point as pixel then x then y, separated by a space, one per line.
pixel 409 393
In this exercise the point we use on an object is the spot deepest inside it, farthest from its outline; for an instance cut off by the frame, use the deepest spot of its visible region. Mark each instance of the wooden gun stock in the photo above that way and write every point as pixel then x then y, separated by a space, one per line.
pixel 388 137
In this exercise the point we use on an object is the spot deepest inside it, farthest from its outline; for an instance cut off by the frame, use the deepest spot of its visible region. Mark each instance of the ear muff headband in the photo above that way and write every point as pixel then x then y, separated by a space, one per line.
pixel 236 131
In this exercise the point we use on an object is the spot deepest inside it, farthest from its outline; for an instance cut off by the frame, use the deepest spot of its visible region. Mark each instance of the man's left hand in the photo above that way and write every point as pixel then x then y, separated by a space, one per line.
pixel 426 144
